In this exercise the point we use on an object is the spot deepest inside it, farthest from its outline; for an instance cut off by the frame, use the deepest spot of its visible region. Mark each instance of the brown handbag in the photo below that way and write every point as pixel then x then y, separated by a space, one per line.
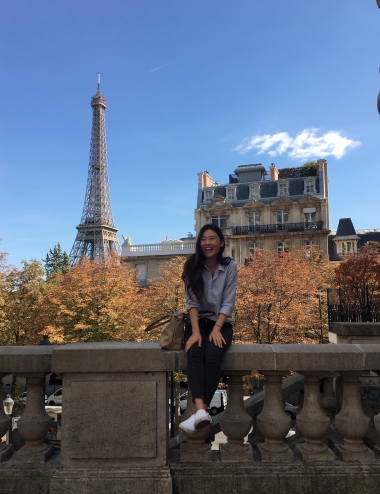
pixel 173 329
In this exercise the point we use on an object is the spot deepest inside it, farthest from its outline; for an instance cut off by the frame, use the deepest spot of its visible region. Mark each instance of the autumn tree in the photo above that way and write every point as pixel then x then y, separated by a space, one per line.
pixel 166 295
pixel 358 275
pixel 95 301
pixel 57 261
pixel 4 270
pixel 277 297
pixel 22 291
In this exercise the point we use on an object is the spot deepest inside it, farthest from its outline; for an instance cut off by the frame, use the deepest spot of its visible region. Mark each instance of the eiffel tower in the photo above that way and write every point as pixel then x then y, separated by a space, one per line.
pixel 97 234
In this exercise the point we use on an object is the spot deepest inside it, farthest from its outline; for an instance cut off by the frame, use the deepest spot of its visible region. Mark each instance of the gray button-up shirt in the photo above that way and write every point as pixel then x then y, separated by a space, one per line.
pixel 219 292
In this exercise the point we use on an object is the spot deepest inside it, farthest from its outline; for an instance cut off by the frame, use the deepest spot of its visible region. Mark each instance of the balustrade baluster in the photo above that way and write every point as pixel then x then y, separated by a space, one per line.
pixel 329 402
pixel 5 423
pixel 235 422
pixel 273 422
pixel 352 423
pixel 34 423
pixel 255 436
pixel 195 450
pixel 313 423
pixel 376 421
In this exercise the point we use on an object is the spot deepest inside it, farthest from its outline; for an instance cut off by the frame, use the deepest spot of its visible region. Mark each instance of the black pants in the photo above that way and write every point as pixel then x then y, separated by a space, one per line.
pixel 204 363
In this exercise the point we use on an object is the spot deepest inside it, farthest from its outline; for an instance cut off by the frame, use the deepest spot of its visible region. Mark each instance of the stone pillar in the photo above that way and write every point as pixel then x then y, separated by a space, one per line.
pixel 352 423
pixel 235 422
pixel 273 422
pixel 34 424
pixel 5 423
pixel 195 450
pixel 313 423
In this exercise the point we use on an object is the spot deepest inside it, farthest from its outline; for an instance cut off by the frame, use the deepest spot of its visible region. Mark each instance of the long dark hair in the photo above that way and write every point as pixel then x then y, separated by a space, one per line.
pixel 192 270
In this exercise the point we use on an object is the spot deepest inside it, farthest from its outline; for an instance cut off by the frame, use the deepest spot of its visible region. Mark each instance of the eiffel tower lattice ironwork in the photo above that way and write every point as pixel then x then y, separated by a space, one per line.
pixel 97 234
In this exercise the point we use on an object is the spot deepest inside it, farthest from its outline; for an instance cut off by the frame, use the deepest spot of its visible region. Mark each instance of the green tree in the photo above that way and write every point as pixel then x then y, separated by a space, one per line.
pixel 57 261
pixel 309 169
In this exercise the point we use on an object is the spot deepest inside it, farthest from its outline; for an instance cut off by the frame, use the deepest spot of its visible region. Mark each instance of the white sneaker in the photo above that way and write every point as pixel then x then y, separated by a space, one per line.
pixel 188 425
pixel 202 418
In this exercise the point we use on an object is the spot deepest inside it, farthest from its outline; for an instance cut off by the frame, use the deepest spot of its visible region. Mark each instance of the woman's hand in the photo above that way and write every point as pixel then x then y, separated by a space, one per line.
pixel 217 337
pixel 194 338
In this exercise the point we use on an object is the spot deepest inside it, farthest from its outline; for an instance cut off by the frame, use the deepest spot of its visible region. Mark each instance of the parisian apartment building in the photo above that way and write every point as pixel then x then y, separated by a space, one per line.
pixel 275 209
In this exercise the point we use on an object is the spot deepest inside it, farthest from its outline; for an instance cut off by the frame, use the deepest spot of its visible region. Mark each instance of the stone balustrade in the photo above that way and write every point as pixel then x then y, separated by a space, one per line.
pixel 164 248
pixel 115 435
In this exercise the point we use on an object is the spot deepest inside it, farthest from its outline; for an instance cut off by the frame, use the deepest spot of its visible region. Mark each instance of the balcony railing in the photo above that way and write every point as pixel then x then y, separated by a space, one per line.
pixel 115 416
pixel 164 248
pixel 275 228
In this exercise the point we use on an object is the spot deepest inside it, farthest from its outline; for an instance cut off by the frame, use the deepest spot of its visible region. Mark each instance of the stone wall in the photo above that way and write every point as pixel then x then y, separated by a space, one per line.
pixel 115 435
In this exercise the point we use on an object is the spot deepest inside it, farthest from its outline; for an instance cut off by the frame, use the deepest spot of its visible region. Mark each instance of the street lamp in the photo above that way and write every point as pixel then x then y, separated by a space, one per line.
pixel 8 405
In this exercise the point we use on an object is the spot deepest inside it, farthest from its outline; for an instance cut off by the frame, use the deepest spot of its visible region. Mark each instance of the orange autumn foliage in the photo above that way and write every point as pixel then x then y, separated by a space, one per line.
pixel 277 298
pixel 358 275
pixel 94 301
pixel 166 295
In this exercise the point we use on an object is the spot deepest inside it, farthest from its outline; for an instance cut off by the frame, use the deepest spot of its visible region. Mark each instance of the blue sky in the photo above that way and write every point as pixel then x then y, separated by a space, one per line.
pixel 235 83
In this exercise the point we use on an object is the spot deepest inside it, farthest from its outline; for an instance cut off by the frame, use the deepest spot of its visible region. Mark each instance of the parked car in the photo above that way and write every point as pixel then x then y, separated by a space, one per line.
pixel 291 410
pixel 22 398
pixel 55 398
pixel 217 405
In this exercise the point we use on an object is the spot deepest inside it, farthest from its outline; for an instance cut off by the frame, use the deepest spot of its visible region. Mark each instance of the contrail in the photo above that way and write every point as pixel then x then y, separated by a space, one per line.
pixel 161 66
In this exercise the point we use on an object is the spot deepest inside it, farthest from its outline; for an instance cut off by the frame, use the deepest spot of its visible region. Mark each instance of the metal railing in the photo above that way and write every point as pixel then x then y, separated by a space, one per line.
pixel 277 227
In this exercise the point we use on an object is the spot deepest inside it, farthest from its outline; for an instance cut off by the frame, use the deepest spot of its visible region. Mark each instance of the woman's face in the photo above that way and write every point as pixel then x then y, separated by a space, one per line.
pixel 211 244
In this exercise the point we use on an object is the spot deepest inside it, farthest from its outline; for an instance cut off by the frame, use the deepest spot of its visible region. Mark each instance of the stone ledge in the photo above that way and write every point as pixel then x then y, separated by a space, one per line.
pixel 112 357
pixel 26 359
pixel 149 357
pixel 295 478
pixel 356 328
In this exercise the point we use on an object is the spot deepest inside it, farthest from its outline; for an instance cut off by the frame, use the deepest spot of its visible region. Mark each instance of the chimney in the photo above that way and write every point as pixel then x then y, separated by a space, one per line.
pixel 273 172
pixel 204 179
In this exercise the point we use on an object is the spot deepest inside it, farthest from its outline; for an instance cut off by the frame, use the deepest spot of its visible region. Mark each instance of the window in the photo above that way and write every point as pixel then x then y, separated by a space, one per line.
pixel 283 188
pixel 252 249
pixel 346 247
pixel 231 193
pixel 254 191
pixel 309 186
pixel 254 220
pixel 309 246
pixel 282 247
pixel 221 221
pixel 208 193
pixel 282 217
pixel 310 220
pixel 141 273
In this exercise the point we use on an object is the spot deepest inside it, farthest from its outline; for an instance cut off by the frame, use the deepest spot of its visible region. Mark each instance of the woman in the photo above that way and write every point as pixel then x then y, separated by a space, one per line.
pixel 210 287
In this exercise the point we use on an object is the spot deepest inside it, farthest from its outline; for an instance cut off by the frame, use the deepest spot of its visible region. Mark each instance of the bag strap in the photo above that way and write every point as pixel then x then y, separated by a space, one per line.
pixel 164 319
pixel 157 323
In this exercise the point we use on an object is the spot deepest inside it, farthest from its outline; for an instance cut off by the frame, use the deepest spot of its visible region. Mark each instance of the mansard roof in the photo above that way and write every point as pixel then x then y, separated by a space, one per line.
pixel 268 190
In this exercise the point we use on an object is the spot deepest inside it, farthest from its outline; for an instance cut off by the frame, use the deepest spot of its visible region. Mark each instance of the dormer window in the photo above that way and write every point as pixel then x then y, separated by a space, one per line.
pixel 208 194
pixel 309 186
pixel 346 247
pixel 254 191
pixel 231 193
pixel 283 189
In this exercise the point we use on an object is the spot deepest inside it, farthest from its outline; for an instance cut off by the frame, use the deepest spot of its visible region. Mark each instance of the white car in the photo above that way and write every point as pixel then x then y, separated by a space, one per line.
pixel 55 398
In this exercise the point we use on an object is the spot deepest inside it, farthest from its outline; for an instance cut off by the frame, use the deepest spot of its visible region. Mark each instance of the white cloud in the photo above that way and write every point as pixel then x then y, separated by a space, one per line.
pixel 304 146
